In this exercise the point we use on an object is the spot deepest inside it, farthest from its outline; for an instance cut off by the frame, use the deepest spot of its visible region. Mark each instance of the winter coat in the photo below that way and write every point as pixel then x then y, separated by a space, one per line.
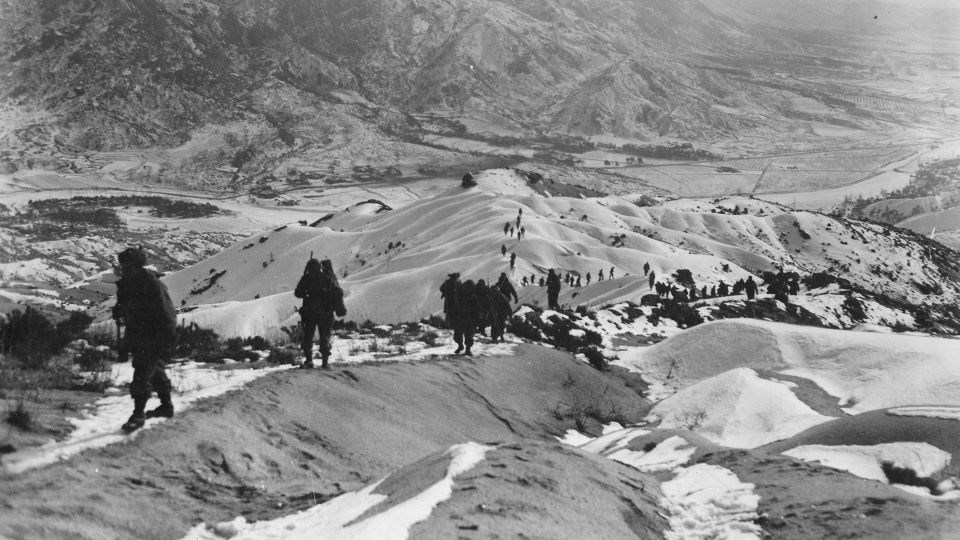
pixel 499 304
pixel 506 288
pixel 321 295
pixel 144 306
pixel 467 308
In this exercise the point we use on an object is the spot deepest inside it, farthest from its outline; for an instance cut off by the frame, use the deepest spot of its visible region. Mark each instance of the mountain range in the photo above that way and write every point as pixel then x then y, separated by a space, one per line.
pixel 257 86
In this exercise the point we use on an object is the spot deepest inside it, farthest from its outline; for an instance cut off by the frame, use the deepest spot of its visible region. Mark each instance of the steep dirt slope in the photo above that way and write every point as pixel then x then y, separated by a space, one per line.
pixel 295 439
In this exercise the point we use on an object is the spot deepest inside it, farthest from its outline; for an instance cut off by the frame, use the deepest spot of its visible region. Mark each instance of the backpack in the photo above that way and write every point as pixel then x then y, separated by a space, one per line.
pixel 337 299
pixel 321 296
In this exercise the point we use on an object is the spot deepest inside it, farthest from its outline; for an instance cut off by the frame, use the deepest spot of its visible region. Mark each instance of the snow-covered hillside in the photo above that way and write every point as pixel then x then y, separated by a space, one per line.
pixel 391 262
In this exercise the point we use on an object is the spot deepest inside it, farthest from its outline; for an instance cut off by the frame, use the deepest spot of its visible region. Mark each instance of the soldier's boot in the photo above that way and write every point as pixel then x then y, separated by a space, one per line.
pixel 138 417
pixel 325 361
pixel 467 352
pixel 165 410
pixel 308 361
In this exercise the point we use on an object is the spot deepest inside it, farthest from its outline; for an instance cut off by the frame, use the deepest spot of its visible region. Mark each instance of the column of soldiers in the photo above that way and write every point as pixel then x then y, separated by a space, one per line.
pixel 471 306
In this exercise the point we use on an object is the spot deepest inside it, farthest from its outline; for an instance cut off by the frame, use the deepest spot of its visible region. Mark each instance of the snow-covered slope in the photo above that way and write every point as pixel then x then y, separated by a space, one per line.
pixel 392 261
pixel 864 370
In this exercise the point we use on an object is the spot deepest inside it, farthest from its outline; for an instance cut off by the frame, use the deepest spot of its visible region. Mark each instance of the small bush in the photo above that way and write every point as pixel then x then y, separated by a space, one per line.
pixel 284 356
pixel 854 308
pixel 27 336
pixel 73 327
pixel 596 358
pixel 431 338
pixel 562 333
pixel 92 359
pixel 684 277
pixel 682 313
pixel 342 325
pixel 96 381
pixel 435 321
pixel 523 328
pixel 294 333
pixel 200 344
pixel 908 476
pixel 245 348
pixel 20 417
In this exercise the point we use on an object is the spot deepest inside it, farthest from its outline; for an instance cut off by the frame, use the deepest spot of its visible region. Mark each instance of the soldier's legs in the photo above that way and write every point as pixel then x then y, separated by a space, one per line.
pixel 306 345
pixel 323 340
pixel 458 339
pixel 468 339
pixel 496 329
pixel 147 360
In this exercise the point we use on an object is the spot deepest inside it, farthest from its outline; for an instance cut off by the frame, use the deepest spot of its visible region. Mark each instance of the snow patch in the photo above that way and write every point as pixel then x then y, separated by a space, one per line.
pixel 949 413
pixel 707 501
pixel 737 408
pixel 865 461
pixel 334 519
pixel 669 455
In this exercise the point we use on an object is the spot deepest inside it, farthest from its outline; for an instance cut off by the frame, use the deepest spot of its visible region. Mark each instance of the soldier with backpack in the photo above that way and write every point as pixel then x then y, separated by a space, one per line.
pixel 448 292
pixel 144 306
pixel 553 289
pixel 322 299
pixel 506 288
pixel 466 312
pixel 499 312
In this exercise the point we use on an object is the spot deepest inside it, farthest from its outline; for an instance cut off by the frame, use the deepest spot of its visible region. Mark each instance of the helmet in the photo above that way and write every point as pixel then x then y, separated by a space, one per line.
pixel 132 255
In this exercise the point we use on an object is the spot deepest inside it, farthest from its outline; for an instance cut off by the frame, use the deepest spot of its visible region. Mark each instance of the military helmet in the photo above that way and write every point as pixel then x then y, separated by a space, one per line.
pixel 132 255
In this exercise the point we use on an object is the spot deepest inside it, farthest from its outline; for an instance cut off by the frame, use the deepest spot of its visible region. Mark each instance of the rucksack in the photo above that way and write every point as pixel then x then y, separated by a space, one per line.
pixel 337 299
pixel 323 296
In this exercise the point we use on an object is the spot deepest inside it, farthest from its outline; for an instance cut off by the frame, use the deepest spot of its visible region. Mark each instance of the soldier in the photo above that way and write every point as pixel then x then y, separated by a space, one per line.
pixel 448 292
pixel 723 289
pixel 513 260
pixel 499 312
pixel 506 288
pixel 553 289
pixel 144 306
pixel 322 299
pixel 483 308
pixel 465 317
pixel 751 288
